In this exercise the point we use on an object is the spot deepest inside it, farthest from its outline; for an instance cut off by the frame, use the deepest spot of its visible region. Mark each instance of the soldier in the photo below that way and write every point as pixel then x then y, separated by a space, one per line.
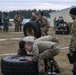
pixel 42 50
pixel 18 22
pixel 43 24
pixel 6 22
pixel 72 45
pixel 34 17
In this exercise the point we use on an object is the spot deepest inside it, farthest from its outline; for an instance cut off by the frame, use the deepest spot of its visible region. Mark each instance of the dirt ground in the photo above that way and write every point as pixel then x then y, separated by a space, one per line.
pixel 64 40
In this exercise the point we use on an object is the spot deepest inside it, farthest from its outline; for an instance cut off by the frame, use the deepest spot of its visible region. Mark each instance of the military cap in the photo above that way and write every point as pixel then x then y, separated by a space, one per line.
pixel 73 11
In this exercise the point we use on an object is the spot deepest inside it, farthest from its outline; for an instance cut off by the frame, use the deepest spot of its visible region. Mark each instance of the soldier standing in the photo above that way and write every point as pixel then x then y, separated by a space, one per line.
pixel 18 22
pixel 42 50
pixel 34 17
pixel 43 24
pixel 72 45
pixel 6 22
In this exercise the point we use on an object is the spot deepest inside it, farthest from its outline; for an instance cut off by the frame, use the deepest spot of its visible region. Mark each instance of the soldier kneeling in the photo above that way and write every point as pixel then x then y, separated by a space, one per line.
pixel 42 50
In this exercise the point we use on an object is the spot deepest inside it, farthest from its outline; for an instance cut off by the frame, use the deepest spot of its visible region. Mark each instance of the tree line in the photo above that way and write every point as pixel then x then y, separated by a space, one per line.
pixel 27 13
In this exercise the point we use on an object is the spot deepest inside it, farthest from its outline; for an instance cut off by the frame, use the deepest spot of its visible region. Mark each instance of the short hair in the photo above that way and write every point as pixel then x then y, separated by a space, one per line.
pixel 18 13
pixel 41 13
pixel 21 44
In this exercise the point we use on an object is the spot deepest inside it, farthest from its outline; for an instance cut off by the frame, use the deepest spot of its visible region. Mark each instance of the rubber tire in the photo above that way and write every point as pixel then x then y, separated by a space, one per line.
pixel 35 28
pixel 61 32
pixel 10 65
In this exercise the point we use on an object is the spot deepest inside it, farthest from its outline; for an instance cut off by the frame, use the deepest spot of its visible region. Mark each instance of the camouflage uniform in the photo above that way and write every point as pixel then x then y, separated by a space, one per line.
pixel 18 23
pixel 33 18
pixel 44 25
pixel 6 22
pixel 45 49
pixel 73 39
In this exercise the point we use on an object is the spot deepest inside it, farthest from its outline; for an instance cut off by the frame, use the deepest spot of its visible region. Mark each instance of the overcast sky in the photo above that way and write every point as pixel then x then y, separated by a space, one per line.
pixel 7 5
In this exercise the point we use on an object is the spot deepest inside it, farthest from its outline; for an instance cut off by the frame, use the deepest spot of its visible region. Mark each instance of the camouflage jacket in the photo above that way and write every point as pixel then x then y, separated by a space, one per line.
pixel 42 44
pixel 72 45
pixel 18 19
pixel 5 19
pixel 43 22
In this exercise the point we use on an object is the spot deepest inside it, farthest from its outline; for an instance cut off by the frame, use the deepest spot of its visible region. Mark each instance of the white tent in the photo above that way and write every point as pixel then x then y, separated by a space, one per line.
pixel 64 13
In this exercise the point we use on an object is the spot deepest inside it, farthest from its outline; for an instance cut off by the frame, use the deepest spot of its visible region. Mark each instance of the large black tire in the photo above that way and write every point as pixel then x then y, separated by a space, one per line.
pixel 18 65
pixel 61 32
pixel 32 28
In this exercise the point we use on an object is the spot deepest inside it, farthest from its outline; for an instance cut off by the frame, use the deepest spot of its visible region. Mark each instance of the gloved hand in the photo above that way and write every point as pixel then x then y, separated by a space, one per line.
pixel 30 60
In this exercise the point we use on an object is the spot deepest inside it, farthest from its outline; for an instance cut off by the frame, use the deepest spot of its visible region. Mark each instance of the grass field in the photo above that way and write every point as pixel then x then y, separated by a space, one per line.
pixel 12 47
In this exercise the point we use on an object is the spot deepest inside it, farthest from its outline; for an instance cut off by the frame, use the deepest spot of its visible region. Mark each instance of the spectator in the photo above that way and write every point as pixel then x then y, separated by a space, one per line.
pixel 18 22
pixel 6 22
pixel 60 21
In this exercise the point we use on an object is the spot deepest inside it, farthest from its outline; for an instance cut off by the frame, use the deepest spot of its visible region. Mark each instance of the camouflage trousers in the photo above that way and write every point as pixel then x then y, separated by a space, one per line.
pixel 44 31
pixel 18 27
pixel 47 54
pixel 6 27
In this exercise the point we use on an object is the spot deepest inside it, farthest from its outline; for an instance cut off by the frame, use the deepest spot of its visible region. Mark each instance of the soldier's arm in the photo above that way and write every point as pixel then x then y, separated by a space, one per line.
pixel 45 22
pixel 15 19
pixel 38 19
pixel 71 46
pixel 35 52
pixel 73 39
pixel 55 39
